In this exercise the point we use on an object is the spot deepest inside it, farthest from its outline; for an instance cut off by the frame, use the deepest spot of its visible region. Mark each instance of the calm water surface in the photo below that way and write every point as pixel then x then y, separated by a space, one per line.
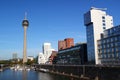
pixel 29 75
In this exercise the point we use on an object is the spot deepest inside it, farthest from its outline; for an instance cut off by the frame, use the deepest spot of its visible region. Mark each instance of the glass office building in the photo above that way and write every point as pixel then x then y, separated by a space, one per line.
pixel 109 46
pixel 75 55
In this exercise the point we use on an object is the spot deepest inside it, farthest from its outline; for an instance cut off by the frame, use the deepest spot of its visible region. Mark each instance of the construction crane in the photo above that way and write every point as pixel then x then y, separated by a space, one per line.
pixel 99 8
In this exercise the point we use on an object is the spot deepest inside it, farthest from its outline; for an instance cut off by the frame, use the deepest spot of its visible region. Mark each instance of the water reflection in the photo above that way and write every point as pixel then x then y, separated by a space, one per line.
pixel 47 76
pixel 30 75
pixel 44 76
pixel 24 75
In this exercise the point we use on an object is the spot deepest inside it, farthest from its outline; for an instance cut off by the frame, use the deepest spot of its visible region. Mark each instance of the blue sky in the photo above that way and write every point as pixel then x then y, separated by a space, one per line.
pixel 50 21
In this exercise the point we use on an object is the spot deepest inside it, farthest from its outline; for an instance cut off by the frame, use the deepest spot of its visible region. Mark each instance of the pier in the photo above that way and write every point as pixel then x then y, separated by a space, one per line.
pixel 3 67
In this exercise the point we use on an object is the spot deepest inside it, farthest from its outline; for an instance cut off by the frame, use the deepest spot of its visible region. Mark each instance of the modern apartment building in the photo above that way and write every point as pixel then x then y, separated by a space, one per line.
pixel 96 21
pixel 66 43
pixel 109 46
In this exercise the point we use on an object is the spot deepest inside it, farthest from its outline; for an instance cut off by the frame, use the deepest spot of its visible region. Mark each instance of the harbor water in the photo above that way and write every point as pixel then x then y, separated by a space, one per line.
pixel 9 74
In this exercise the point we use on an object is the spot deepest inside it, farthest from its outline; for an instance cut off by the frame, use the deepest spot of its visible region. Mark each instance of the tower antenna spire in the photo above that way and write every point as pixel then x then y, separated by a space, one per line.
pixel 25 15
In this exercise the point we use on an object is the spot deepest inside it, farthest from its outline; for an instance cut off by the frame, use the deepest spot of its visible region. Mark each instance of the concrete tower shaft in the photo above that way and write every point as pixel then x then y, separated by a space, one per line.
pixel 25 24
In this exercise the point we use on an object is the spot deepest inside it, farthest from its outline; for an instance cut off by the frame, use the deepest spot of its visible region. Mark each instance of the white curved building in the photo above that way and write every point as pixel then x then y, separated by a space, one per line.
pixel 41 58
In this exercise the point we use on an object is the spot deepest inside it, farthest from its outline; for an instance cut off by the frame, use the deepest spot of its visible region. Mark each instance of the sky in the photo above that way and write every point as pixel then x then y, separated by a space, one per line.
pixel 49 21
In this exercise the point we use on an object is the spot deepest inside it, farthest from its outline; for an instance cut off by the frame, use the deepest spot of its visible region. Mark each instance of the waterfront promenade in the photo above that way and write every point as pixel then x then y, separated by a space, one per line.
pixel 80 72
pixel 84 72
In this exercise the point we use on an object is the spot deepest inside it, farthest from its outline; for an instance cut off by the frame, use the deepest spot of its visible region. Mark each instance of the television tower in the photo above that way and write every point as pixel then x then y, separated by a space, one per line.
pixel 25 25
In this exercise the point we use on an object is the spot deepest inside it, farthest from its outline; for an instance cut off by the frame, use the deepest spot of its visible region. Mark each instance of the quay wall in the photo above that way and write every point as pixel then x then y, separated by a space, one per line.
pixel 85 72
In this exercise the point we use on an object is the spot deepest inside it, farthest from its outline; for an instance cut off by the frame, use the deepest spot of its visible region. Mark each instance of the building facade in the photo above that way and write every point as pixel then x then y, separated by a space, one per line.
pixel 41 58
pixel 47 51
pixel 75 55
pixel 61 45
pixel 69 42
pixel 46 48
pixel 66 43
pixel 109 46
pixel 52 57
pixel 96 21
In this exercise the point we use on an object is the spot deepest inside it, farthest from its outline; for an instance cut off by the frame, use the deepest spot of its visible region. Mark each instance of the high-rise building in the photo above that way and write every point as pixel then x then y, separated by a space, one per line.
pixel 66 43
pixel 14 55
pixel 96 21
pixel 47 50
pixel 25 25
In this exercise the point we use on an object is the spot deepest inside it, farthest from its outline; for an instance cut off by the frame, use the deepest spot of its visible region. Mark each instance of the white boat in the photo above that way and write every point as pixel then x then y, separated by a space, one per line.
pixel 43 70
pixel 1 70
pixel 28 69
pixel 12 68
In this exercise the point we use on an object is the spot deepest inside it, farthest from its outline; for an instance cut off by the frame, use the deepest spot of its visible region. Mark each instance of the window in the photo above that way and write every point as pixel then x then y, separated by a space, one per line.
pixel 104 55
pixel 112 45
pixel 104 27
pixel 116 38
pixel 103 17
pixel 103 20
pixel 108 55
pixel 112 55
pixel 117 55
pixel 108 40
pixel 104 46
pixel 108 50
pixel 116 44
pixel 111 39
pixel 108 45
pixel 116 49
pixel 105 50
pixel 104 24
pixel 112 49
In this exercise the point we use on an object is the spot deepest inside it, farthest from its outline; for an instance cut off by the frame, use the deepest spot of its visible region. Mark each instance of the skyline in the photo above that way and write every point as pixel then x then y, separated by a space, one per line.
pixel 50 21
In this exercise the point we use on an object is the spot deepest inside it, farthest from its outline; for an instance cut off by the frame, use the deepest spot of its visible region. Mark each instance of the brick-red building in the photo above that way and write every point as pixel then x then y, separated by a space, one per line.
pixel 61 44
pixel 69 42
pixel 66 43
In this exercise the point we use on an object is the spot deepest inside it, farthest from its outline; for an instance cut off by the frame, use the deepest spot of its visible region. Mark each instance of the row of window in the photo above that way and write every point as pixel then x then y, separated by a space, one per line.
pixel 109 55
pixel 108 40
pixel 110 62
pixel 108 50
pixel 114 30
pixel 107 46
